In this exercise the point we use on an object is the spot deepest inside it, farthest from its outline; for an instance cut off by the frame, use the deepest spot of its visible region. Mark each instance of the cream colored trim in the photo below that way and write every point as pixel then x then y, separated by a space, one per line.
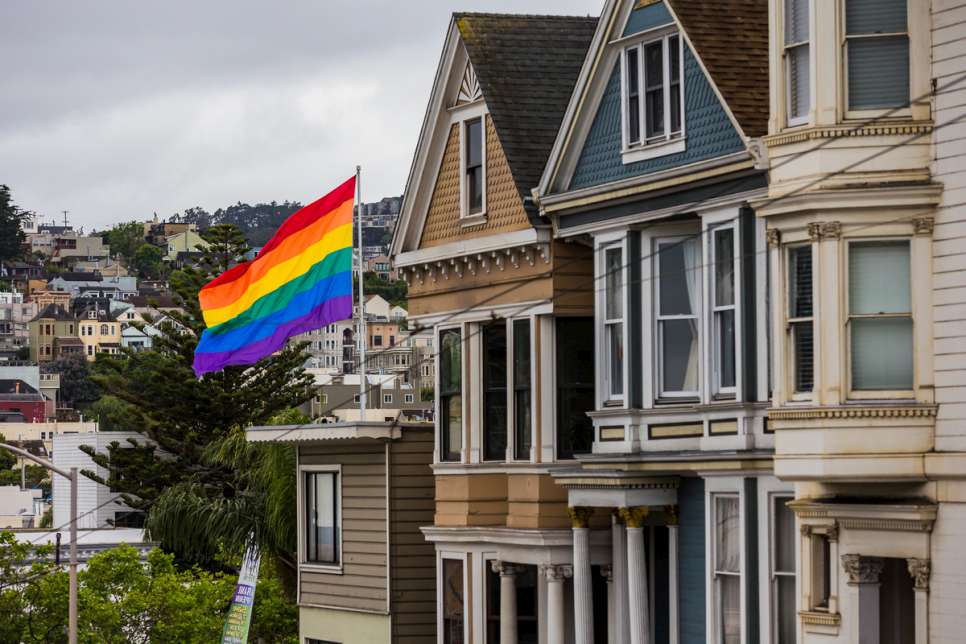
pixel 476 246
pixel 820 618
pixel 871 128
pixel 910 411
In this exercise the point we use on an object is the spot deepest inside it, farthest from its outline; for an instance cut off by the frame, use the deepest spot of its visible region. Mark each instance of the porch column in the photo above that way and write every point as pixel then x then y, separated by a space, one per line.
pixel 508 600
pixel 621 627
pixel 556 619
pixel 672 573
pixel 607 572
pixel 583 584
pixel 864 574
pixel 637 600
pixel 919 569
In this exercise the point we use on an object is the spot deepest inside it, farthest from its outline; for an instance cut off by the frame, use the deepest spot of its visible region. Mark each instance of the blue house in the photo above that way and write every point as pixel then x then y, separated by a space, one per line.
pixel 657 167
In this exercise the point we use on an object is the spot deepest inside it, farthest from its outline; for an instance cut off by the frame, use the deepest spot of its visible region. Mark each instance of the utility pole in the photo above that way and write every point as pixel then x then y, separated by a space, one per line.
pixel 72 566
pixel 65 217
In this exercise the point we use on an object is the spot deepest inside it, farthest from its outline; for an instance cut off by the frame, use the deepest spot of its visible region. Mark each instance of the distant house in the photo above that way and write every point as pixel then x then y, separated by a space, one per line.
pixel 99 327
pixel 18 397
pixel 382 267
pixel 184 245
pixel 53 333
pixel 95 285
pixel 135 339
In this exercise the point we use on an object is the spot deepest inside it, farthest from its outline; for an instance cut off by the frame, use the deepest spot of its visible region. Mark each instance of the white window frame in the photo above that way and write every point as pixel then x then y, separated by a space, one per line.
pixel 891 112
pixel 455 556
pixel 786 65
pixel 461 115
pixel 410 399
pixel 791 322
pixel 668 143
pixel 714 309
pixel 717 487
pixel 387 399
pixel 464 385
pixel 607 397
pixel 772 582
pixel 877 394
pixel 336 569
pixel 662 394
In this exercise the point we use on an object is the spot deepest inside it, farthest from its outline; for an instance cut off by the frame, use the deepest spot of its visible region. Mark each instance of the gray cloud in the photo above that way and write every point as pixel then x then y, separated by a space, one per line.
pixel 114 109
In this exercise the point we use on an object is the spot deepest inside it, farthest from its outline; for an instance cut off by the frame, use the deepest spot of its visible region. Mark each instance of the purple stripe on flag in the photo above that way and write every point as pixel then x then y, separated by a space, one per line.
pixel 333 310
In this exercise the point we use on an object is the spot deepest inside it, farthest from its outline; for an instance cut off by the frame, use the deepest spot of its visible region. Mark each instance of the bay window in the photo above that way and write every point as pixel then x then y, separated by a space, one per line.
pixel 494 391
pixel 800 322
pixel 877 54
pixel 727 569
pixel 677 306
pixel 614 323
pixel 450 395
pixel 575 385
pixel 880 316
pixel 522 397
pixel 321 494
pixel 653 98
pixel 723 308
pixel 796 52
pixel 785 616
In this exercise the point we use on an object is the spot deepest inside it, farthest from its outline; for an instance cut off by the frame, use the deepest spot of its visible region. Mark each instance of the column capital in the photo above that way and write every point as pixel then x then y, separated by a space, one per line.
pixel 919 569
pixel 557 572
pixel 505 569
pixel 580 516
pixel 634 516
pixel 671 512
pixel 862 570
pixel 607 572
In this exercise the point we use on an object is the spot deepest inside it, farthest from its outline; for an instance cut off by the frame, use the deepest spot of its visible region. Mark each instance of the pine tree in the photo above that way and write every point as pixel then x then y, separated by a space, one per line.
pixel 197 455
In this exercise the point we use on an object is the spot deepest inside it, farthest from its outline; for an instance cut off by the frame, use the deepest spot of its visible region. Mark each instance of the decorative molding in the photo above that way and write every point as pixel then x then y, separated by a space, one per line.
pixel 819 618
pixel 774 237
pixel 833 532
pixel 831 229
pixel 634 517
pixel 505 569
pixel 889 525
pixel 470 91
pixel 806 530
pixel 815 413
pixel 919 569
pixel 862 570
pixel 557 572
pixel 815 231
pixel 671 513
pixel 879 129
pixel 580 516
pixel 924 225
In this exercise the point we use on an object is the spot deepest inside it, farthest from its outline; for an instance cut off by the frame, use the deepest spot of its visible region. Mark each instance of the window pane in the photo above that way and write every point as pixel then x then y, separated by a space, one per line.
pixel 521 386
pixel 727 547
pixel 674 54
pixel 881 353
pixel 679 353
pixel 575 385
pixel 322 533
pixel 799 97
pixel 787 616
pixel 725 322
pixel 452 424
pixel 678 264
pixel 879 277
pixel 784 535
pixel 494 391
pixel 724 267
pixel 450 398
pixel 450 361
pixel 475 189
pixel 675 107
pixel 615 358
pixel 729 609
pixel 474 142
pixel 800 282
pixel 452 601
pixel 796 21
pixel 875 16
pixel 614 280
pixel 633 97
pixel 803 345
pixel 878 72
pixel 654 82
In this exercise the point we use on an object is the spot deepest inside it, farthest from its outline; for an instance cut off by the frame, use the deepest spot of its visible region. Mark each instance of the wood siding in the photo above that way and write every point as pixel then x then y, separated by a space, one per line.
pixel 362 584
pixel 412 558
pixel 504 208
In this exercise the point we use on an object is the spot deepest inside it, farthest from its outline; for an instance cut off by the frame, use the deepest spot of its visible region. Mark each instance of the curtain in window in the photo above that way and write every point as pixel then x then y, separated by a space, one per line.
pixel 727 569
pixel 727 533
pixel 692 264
pixel 321 537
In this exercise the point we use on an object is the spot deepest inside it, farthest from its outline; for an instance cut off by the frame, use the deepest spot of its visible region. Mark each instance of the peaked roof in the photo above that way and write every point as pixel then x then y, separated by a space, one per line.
pixel 55 312
pixel 731 39
pixel 526 66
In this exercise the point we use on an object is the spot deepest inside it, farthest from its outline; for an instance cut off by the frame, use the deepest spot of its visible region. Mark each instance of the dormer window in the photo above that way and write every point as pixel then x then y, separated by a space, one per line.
pixel 474 175
pixel 653 97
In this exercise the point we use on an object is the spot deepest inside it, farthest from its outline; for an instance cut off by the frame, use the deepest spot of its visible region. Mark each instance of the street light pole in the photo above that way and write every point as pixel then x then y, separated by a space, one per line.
pixel 72 566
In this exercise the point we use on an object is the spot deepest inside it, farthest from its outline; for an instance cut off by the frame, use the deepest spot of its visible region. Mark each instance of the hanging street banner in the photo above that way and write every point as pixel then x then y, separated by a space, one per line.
pixel 240 610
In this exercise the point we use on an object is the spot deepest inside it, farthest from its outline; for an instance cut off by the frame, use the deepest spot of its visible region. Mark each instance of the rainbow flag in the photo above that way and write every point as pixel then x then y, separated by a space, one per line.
pixel 300 280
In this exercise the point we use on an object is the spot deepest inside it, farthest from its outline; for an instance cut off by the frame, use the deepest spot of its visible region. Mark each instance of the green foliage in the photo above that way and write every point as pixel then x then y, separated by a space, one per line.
pixel 36 476
pixel 12 236
pixel 77 389
pixel 122 599
pixel 148 262
pixel 427 394
pixel 7 458
pixel 125 240
pixel 111 413
pixel 395 293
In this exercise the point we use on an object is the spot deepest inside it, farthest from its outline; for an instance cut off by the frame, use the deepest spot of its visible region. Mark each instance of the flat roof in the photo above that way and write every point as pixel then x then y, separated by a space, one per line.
pixel 348 430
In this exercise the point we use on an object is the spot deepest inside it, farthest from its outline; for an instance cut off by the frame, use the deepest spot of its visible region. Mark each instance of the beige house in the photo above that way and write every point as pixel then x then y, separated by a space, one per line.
pixel 99 326
pixel 365 573
pixel 511 314
pixel 53 332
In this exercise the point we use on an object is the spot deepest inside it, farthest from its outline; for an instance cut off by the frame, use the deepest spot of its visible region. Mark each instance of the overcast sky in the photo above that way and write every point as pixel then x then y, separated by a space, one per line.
pixel 114 109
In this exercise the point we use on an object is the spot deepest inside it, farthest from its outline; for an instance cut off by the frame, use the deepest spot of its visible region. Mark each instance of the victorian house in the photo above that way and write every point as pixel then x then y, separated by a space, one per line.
pixel 655 168
pixel 511 310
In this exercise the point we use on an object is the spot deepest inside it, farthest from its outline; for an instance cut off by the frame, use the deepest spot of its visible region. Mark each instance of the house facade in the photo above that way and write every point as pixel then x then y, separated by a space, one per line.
pixel 510 310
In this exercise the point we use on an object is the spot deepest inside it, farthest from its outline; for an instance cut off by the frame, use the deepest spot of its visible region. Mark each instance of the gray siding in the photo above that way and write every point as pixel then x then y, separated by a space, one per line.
pixel 413 559
pixel 691 574
pixel 362 584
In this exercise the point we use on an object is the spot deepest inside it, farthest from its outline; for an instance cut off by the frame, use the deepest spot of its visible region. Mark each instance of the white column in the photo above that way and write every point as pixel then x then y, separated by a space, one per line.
pixel 583 584
pixel 508 600
pixel 620 625
pixel 637 601
pixel 672 590
pixel 919 569
pixel 607 572
pixel 556 619
pixel 864 574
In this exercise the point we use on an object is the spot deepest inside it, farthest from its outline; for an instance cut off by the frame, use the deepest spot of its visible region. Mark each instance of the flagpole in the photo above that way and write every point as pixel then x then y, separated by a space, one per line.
pixel 362 303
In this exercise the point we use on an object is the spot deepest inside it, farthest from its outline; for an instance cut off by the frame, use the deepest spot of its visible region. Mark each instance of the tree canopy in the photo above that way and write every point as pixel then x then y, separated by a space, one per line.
pixel 125 240
pixel 76 387
pixel 12 236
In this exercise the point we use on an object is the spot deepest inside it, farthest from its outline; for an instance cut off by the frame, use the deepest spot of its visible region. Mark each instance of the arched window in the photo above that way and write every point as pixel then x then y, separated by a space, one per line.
pixel 104 330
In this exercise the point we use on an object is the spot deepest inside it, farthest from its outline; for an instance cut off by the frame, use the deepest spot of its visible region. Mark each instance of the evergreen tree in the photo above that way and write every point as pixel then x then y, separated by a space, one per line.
pixel 12 236
pixel 199 457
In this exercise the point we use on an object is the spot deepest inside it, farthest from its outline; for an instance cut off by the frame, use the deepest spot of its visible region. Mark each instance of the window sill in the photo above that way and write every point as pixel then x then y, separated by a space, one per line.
pixel 473 220
pixel 323 568
pixel 819 621
pixel 653 150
